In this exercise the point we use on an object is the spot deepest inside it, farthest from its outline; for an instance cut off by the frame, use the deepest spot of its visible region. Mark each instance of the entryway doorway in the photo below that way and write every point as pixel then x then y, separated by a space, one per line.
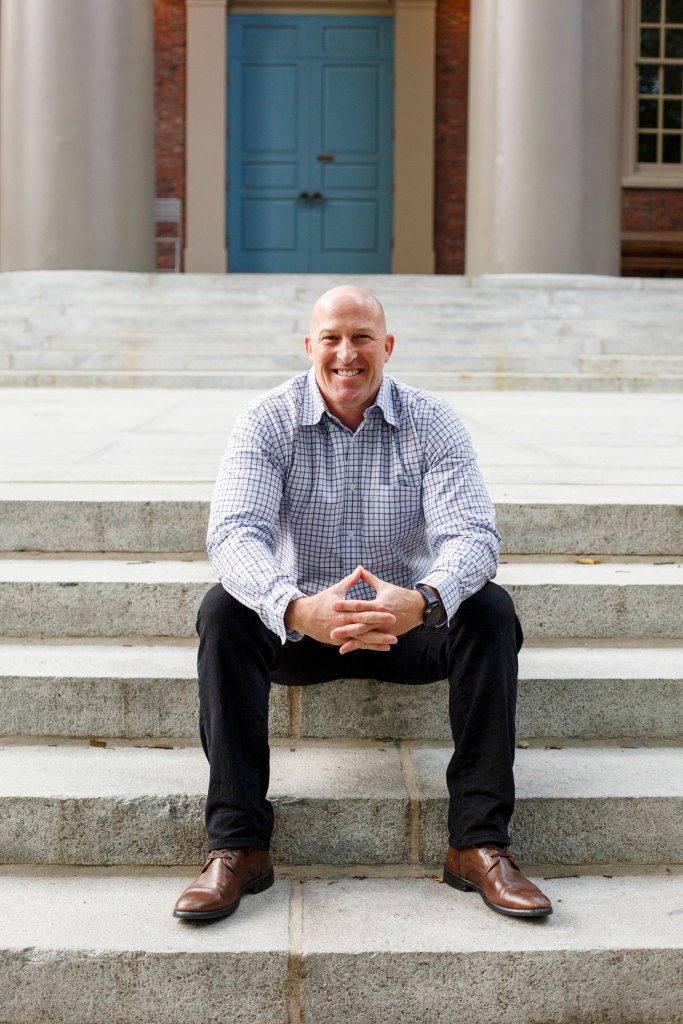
pixel 310 144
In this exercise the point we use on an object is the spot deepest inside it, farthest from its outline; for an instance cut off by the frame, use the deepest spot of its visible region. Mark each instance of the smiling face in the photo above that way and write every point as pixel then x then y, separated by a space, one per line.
pixel 348 345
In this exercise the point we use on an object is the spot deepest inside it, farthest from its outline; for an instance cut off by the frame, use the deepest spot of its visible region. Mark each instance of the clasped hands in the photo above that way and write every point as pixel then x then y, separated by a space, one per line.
pixel 357 625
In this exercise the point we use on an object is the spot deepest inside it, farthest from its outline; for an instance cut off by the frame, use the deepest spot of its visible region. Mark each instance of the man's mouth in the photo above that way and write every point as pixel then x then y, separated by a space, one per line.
pixel 347 373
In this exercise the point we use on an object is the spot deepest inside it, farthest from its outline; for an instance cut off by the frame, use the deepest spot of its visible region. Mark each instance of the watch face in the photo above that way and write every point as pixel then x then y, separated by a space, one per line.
pixel 435 614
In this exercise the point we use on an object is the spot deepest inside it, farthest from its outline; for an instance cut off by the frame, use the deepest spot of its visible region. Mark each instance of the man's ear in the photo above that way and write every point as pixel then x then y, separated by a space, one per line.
pixel 309 346
pixel 388 346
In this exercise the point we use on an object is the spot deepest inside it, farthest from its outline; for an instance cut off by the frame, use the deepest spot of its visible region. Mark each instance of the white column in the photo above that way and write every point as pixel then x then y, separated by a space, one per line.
pixel 543 179
pixel 77 135
pixel 414 137
pixel 205 250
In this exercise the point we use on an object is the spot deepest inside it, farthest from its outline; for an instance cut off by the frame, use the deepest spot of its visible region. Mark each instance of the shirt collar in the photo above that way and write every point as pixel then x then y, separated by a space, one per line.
pixel 314 403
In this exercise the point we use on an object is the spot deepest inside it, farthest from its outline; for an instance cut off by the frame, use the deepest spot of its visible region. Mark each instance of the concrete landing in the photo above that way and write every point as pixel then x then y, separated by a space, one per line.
pixel 616 445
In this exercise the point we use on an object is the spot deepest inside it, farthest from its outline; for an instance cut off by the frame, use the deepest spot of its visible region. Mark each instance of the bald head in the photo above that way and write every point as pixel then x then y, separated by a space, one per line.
pixel 348 346
pixel 346 298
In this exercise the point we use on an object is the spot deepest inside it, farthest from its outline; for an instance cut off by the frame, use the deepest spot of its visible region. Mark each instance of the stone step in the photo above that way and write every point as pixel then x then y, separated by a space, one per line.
pixel 260 318
pixel 632 365
pixel 54 521
pixel 69 287
pixel 144 596
pixel 78 946
pixel 289 363
pixel 262 380
pixel 241 357
pixel 335 805
pixel 134 690
pixel 472 337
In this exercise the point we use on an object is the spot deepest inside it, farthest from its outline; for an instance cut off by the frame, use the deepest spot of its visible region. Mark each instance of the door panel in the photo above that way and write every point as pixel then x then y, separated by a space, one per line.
pixel 309 147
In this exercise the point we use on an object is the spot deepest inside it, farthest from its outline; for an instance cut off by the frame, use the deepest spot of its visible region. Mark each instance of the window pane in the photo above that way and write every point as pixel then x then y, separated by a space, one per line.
pixel 647 149
pixel 649 42
pixel 673 80
pixel 647 113
pixel 674 12
pixel 673 46
pixel 672 114
pixel 648 78
pixel 671 149
pixel 650 10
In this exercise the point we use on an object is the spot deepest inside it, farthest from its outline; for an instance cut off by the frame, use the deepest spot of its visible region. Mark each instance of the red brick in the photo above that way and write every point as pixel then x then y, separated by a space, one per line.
pixel 169 81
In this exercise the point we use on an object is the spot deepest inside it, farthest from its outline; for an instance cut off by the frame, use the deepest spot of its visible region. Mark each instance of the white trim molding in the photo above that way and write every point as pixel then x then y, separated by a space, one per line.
pixel 414 100
pixel 634 174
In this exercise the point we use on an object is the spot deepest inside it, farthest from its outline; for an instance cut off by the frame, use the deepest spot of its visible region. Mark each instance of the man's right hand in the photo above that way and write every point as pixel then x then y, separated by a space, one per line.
pixel 314 617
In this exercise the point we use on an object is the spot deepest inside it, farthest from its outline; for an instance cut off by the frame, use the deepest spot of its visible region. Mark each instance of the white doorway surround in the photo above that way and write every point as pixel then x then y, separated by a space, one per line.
pixel 413 194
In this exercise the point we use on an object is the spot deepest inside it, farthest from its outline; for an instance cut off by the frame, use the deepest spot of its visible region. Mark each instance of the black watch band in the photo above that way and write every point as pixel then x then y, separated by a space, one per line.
pixel 434 613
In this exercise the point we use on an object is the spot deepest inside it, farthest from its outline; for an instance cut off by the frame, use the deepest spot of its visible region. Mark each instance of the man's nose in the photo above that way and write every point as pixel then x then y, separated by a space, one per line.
pixel 345 351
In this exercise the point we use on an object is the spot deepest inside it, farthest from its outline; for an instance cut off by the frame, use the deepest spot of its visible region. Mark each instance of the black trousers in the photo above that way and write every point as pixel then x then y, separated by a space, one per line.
pixel 239 657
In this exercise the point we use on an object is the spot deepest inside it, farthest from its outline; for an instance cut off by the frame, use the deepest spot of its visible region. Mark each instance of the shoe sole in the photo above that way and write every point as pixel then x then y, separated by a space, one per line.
pixel 257 886
pixel 456 882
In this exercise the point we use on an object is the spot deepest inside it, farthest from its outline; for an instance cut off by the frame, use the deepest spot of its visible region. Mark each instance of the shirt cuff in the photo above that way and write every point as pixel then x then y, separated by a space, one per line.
pixel 276 613
pixel 448 585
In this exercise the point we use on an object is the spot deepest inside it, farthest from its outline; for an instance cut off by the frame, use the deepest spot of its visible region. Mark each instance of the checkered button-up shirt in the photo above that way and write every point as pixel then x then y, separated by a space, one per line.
pixel 301 500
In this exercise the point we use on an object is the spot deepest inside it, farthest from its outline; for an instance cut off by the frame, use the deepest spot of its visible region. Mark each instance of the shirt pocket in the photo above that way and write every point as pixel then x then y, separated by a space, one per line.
pixel 392 521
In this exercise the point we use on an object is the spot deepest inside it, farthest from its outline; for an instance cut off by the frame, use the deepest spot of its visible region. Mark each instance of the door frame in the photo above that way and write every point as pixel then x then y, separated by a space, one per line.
pixel 206 118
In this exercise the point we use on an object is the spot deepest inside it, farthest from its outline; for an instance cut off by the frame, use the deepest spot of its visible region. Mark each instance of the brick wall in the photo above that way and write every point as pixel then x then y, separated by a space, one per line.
pixel 169 59
pixel 452 53
pixel 652 209
pixel 642 209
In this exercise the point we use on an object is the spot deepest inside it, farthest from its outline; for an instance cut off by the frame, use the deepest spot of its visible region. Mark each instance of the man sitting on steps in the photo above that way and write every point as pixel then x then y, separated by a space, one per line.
pixel 353 537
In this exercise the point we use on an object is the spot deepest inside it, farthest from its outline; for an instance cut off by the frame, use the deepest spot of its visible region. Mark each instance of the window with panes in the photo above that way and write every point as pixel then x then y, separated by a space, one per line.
pixel 660 83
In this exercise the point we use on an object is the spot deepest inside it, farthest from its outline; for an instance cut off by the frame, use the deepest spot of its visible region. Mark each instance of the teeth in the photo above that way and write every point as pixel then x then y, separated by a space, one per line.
pixel 347 373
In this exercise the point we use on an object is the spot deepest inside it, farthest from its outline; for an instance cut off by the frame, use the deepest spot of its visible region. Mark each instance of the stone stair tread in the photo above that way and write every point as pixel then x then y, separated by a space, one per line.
pixel 73 910
pixel 132 689
pixel 143 568
pixel 68 938
pixel 337 804
pixel 122 658
pixel 163 492
pixel 334 773
pixel 148 595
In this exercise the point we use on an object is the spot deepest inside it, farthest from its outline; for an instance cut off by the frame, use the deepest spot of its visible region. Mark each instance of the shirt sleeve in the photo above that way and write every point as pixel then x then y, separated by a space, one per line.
pixel 244 521
pixel 459 514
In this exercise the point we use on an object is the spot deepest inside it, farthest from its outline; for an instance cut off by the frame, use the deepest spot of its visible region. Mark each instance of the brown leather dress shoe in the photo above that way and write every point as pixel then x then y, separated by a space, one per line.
pixel 494 875
pixel 225 878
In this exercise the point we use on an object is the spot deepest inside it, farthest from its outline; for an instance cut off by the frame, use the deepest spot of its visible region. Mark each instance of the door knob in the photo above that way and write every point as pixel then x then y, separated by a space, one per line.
pixel 304 197
pixel 317 197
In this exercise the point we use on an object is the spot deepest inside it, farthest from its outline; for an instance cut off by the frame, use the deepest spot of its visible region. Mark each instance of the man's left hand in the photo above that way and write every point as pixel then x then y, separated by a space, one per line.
pixel 407 605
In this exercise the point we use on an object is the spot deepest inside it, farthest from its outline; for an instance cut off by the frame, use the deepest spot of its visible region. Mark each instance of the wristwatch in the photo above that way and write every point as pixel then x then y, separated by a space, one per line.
pixel 434 613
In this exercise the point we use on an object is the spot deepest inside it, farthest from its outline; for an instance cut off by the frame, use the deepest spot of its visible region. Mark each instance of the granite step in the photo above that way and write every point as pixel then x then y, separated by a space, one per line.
pixel 341 804
pixel 243 357
pixel 263 380
pixel 148 596
pixel 427 336
pixel 133 690
pixel 78 947
pixel 168 519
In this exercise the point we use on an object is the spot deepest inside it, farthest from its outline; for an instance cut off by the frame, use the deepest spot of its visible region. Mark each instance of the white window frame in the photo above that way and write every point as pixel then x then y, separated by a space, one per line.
pixel 635 175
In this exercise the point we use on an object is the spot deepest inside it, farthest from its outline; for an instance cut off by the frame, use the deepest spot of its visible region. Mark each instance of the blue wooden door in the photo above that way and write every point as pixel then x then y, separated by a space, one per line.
pixel 310 118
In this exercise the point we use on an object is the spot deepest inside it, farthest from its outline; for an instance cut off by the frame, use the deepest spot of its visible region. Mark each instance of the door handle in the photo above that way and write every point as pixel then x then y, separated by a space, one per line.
pixel 304 197
pixel 316 198
pixel 325 158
